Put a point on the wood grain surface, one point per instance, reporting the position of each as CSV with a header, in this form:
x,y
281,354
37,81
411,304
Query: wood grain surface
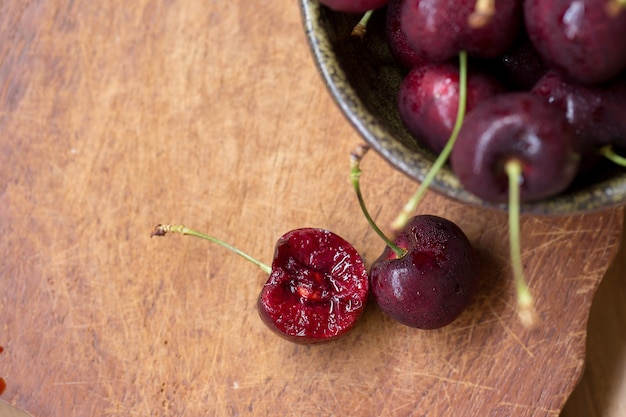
x,y
115,116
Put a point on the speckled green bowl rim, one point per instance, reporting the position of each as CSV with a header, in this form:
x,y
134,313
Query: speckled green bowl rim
x,y
608,194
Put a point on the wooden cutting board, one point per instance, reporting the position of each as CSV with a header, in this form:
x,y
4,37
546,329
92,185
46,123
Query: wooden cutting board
x,y
115,116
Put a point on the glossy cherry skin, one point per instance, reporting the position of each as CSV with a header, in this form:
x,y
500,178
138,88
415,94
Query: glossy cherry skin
x,y
596,112
428,100
434,282
353,6
515,126
318,287
440,29
402,52
578,37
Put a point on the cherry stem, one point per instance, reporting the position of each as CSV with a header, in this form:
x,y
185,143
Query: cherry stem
x,y
411,205
609,153
355,175
525,303
614,7
361,27
483,12
163,229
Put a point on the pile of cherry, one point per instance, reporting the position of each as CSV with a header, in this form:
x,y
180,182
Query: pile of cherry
x,y
546,86
541,97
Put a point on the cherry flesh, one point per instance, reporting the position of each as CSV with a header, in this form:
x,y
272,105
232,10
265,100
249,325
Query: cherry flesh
x,y
578,37
317,289
440,29
428,100
434,282
515,126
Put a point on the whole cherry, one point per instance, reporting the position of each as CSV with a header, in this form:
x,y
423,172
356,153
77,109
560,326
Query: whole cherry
x,y
579,38
517,127
440,29
434,281
428,275
428,99
512,148
597,113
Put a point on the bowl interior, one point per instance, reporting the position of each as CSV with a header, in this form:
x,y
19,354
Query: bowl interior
x,y
363,79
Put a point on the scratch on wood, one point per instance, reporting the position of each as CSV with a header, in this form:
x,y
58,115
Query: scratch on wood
x,y
550,411
452,380
510,332
448,398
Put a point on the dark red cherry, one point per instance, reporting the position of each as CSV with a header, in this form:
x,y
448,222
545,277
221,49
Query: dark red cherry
x,y
402,52
317,289
353,6
440,29
428,100
597,113
578,37
517,126
434,282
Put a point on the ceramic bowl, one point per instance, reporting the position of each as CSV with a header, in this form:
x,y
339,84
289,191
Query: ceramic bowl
x,y
363,79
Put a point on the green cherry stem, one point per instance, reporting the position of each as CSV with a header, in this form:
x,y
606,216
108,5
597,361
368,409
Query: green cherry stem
x,y
525,302
609,153
411,205
361,27
355,175
163,229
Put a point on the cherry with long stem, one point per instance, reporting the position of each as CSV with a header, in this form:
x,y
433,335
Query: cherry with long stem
x,y
428,275
410,207
317,286
525,301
